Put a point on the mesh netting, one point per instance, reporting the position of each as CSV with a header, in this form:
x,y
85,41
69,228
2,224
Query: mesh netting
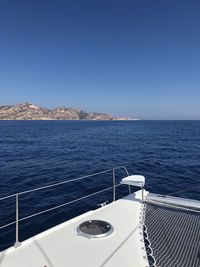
x,y
174,234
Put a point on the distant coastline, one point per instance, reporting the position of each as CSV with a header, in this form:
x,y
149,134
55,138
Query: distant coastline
x,y
29,111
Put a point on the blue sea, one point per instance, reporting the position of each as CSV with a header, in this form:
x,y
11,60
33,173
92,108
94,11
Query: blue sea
x,y
38,153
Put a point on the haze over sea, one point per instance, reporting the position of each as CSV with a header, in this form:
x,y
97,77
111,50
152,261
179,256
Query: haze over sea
x,y
37,153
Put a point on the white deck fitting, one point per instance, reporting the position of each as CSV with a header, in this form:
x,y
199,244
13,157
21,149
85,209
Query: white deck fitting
x,y
61,246
135,180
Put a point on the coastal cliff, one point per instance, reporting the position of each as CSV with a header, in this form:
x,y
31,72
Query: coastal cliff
x,y
28,111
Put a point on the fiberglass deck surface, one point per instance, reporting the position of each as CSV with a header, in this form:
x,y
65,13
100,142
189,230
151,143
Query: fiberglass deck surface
x,y
61,246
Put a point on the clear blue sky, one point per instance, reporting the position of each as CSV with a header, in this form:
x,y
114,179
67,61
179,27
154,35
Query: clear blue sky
x,y
136,58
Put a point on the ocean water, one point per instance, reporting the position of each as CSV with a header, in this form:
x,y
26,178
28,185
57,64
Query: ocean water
x,y
38,153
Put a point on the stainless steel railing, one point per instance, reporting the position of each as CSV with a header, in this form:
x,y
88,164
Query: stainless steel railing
x,y
17,195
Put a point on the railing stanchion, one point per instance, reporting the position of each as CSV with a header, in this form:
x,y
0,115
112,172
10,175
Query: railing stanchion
x,y
142,194
113,184
17,243
129,189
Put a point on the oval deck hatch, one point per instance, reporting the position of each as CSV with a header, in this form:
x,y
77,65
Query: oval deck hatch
x,y
94,229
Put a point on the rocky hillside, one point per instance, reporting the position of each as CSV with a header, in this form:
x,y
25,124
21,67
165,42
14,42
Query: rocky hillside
x,y
29,111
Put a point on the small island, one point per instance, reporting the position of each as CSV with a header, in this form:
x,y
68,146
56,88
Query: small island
x,y
28,111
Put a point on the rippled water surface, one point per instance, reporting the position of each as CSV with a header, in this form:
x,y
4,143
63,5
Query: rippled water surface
x,y
37,153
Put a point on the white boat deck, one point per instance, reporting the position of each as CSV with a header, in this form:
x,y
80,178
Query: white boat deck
x,y
61,246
